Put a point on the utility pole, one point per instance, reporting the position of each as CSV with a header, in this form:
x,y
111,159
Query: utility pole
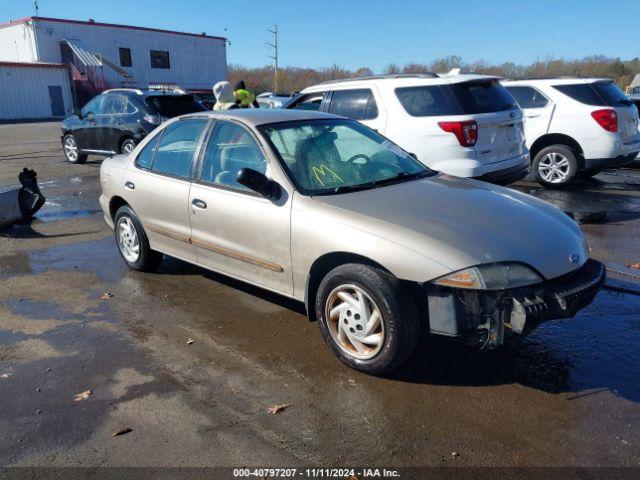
x,y
274,46
35,4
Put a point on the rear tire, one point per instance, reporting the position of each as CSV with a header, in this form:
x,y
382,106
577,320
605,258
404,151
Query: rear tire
x,y
369,323
71,150
133,243
556,166
127,146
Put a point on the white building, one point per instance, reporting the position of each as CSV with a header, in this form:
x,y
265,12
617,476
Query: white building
x,y
97,56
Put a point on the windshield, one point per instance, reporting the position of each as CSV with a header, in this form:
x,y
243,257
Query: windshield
x,y
337,156
173,105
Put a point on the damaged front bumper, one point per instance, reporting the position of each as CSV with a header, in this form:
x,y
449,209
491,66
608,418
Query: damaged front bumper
x,y
487,319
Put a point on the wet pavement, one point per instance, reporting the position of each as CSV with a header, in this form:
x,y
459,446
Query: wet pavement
x,y
568,395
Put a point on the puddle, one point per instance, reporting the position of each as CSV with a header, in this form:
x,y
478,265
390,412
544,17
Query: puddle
x,y
65,214
588,206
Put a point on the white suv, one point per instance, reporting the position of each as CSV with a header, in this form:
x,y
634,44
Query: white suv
x,y
576,127
462,124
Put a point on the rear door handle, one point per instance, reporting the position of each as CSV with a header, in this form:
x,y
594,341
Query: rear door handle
x,y
199,203
129,185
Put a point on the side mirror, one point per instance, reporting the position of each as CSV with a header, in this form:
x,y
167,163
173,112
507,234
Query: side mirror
x,y
259,183
77,112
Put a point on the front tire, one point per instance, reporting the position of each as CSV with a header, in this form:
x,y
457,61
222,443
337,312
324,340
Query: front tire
x,y
71,150
366,319
556,166
133,243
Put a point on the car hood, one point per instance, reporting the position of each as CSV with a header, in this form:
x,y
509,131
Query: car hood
x,y
460,222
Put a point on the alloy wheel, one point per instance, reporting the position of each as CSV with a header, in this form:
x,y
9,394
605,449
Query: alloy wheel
x,y
128,241
128,147
355,322
71,149
554,167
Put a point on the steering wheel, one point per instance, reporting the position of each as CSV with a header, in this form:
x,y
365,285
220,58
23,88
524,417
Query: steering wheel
x,y
357,156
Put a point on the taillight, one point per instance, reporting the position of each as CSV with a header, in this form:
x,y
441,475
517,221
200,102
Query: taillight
x,y
607,119
465,132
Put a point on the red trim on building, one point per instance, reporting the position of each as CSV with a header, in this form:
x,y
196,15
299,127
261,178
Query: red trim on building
x,y
112,25
32,65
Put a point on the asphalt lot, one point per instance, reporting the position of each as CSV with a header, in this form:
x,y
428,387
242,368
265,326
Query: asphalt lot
x,y
569,395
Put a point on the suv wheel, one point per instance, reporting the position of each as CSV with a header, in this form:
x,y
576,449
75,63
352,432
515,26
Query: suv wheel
x,y
71,151
366,319
127,146
555,166
133,243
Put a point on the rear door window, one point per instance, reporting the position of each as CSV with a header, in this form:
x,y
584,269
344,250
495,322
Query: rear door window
x,y
528,97
483,97
173,105
177,146
355,104
583,93
429,101
114,104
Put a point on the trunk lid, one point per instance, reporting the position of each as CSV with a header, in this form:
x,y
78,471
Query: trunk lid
x,y
626,111
500,136
499,119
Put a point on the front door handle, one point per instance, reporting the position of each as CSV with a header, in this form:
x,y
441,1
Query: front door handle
x,y
533,116
199,203
129,185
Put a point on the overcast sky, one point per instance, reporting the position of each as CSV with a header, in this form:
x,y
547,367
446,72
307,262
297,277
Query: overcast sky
x,y
373,33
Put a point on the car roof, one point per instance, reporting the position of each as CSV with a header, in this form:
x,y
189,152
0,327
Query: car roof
x,y
148,92
557,80
263,116
401,80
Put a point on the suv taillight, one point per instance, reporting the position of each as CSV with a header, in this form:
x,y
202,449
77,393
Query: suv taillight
x,y
607,119
465,132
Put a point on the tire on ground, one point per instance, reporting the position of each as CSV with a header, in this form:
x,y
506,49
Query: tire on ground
x,y
148,259
399,314
568,153
82,157
127,143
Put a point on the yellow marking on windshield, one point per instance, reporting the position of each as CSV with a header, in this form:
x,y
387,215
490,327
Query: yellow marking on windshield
x,y
322,170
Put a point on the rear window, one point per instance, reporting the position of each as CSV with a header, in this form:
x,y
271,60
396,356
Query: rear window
x,y
355,104
429,101
457,99
484,97
612,94
583,93
173,105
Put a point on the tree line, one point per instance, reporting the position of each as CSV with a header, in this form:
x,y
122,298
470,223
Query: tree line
x,y
293,79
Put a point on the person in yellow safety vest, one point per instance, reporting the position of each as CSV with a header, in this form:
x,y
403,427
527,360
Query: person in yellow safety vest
x,y
245,97
224,96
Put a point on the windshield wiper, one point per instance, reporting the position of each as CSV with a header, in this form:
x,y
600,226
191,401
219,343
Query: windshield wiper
x,y
624,101
508,106
402,176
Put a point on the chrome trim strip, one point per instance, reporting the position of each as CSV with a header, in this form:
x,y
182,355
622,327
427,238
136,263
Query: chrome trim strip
x,y
274,267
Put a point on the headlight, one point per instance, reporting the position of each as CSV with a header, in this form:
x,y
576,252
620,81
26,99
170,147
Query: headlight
x,y
496,276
